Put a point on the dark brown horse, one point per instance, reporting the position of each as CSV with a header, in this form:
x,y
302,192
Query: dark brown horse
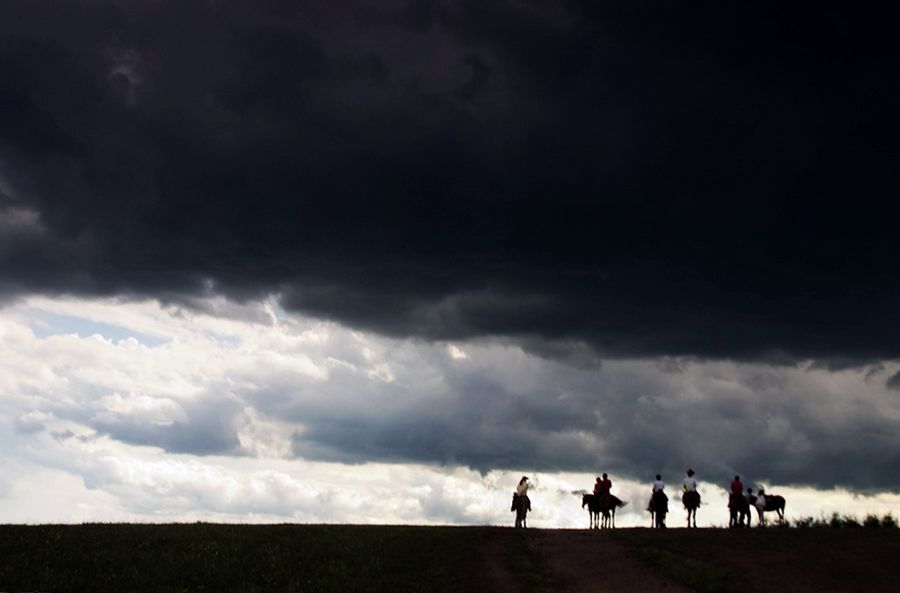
x,y
658,507
738,510
605,505
691,502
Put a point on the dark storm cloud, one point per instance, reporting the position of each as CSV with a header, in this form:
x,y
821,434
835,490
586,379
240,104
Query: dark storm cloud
x,y
712,181
632,420
893,381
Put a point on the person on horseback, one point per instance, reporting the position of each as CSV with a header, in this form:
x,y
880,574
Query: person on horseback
x,y
658,485
522,490
602,487
737,489
690,484
659,502
691,497
521,504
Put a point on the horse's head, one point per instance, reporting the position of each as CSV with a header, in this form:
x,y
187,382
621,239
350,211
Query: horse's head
x,y
585,499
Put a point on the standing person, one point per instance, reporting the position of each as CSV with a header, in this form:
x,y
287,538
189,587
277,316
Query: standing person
x,y
760,505
746,500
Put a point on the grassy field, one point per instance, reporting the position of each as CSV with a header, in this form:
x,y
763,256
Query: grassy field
x,y
117,558
747,560
98,558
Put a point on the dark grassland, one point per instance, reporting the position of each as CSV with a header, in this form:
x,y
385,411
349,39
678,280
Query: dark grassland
x,y
97,558
773,559
120,558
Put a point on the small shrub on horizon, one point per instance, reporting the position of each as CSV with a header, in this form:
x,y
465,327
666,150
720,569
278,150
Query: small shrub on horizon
x,y
871,521
850,521
837,521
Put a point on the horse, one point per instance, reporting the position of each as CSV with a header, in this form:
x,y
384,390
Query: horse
x,y
738,510
658,507
772,502
691,502
521,505
593,506
605,505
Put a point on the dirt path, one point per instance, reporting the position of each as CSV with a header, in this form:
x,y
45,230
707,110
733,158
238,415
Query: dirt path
x,y
592,561
561,561
492,569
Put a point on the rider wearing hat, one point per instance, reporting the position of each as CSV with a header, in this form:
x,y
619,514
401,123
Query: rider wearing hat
x,y
690,484
522,490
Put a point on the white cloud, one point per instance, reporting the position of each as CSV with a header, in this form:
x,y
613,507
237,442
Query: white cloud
x,y
456,353
205,424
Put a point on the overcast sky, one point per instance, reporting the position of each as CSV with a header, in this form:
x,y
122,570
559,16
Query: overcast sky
x,y
437,244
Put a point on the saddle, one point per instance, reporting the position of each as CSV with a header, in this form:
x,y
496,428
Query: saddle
x,y
691,498
738,502
659,502
515,502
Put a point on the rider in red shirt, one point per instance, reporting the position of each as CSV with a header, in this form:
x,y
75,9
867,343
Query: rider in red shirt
x,y
602,487
605,485
737,489
736,486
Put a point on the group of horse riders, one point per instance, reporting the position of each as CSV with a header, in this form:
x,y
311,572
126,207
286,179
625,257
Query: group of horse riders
x,y
739,501
659,501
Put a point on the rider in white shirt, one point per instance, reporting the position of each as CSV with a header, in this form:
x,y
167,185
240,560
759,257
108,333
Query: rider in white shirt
x,y
690,483
658,484
522,488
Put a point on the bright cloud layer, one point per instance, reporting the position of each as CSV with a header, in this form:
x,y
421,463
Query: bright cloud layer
x,y
136,411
